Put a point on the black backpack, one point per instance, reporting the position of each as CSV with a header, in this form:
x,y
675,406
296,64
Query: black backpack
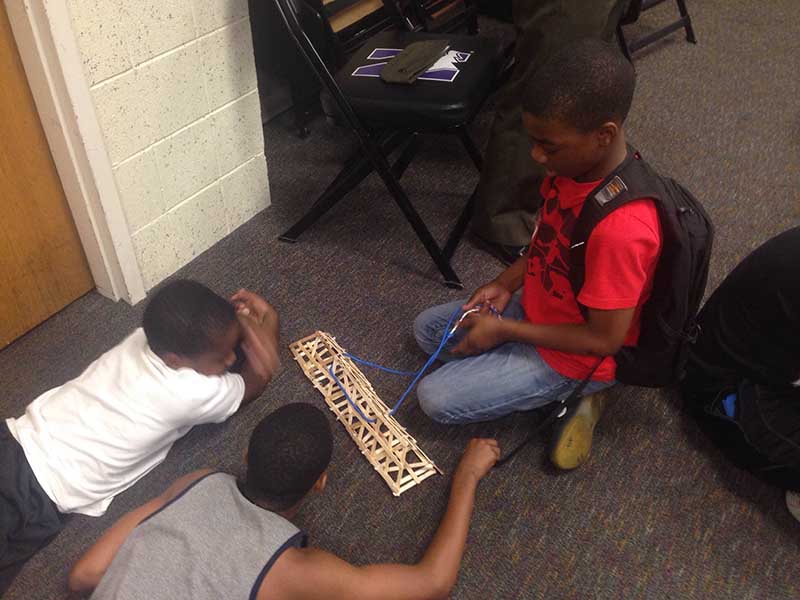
x,y
668,318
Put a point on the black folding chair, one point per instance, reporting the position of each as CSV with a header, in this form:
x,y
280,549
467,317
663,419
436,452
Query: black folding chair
x,y
635,8
387,117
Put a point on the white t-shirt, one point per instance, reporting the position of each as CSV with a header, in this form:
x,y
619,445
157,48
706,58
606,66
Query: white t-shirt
x,y
95,436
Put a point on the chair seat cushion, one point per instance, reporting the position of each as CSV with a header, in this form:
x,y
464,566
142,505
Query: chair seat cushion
x,y
448,95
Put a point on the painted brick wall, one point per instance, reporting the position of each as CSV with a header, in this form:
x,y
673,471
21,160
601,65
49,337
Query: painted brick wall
x,y
174,88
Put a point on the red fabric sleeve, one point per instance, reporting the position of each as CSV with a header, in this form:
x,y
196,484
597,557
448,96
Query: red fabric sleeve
x,y
621,257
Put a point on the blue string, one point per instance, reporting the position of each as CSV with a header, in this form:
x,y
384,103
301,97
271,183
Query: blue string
x,y
354,358
349,399
445,338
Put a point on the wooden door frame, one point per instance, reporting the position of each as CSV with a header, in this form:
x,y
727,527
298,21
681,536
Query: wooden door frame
x,y
64,102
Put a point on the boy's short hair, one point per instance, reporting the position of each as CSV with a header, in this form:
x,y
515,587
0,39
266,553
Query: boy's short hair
x,y
584,85
289,449
185,317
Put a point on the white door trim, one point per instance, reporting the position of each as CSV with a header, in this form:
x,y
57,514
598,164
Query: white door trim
x,y
52,61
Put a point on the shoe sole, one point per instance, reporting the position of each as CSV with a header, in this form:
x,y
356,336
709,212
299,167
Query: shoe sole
x,y
574,438
574,444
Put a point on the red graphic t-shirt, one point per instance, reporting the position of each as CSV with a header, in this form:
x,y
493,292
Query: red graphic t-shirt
x,y
621,257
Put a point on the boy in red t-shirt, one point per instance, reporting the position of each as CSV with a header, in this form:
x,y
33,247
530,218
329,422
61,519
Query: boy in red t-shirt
x,y
540,349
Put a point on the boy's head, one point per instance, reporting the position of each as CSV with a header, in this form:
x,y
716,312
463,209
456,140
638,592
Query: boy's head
x,y
288,455
575,104
188,325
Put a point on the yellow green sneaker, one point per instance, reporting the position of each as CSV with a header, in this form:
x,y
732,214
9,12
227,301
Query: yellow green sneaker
x,y
573,441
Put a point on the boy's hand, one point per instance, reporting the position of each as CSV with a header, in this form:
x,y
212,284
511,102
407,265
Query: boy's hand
x,y
250,303
479,457
260,350
493,293
485,332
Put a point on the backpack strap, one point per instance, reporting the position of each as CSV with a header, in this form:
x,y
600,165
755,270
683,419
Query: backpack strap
x,y
631,180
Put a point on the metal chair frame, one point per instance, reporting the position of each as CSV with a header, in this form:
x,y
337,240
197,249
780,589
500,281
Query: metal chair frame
x,y
373,155
632,15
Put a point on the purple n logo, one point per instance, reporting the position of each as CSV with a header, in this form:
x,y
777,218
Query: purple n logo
x,y
444,69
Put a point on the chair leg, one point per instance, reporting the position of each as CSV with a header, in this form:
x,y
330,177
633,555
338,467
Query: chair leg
x,y
302,118
372,157
687,22
355,170
461,226
623,43
466,213
406,156
451,280
353,174
471,148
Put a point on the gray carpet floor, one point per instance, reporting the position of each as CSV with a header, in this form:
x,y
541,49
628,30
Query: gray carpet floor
x,y
656,513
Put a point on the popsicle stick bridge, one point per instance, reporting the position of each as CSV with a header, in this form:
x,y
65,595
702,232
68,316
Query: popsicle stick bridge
x,y
389,448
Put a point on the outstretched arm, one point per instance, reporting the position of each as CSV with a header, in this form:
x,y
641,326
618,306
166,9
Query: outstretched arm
x,y
304,573
91,567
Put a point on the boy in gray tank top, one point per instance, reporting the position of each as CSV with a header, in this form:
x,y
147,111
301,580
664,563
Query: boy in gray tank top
x,y
209,536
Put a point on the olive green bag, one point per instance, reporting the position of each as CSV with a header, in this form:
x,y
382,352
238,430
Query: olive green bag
x,y
413,61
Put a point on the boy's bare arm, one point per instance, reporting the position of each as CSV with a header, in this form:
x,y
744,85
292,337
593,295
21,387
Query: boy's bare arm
x,y
514,276
260,346
602,335
90,568
313,573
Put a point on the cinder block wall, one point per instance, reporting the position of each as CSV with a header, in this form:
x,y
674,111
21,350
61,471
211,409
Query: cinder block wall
x,y
174,88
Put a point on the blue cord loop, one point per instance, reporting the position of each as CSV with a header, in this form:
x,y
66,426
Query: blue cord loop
x,y
449,331
361,361
346,395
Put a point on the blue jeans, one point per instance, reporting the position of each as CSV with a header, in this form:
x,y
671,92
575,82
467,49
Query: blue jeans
x,y
511,377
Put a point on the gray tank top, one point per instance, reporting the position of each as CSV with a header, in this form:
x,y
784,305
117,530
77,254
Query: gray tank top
x,y
209,542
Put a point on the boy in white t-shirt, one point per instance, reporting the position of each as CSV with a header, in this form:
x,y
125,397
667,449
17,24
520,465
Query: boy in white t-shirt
x,y
79,445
